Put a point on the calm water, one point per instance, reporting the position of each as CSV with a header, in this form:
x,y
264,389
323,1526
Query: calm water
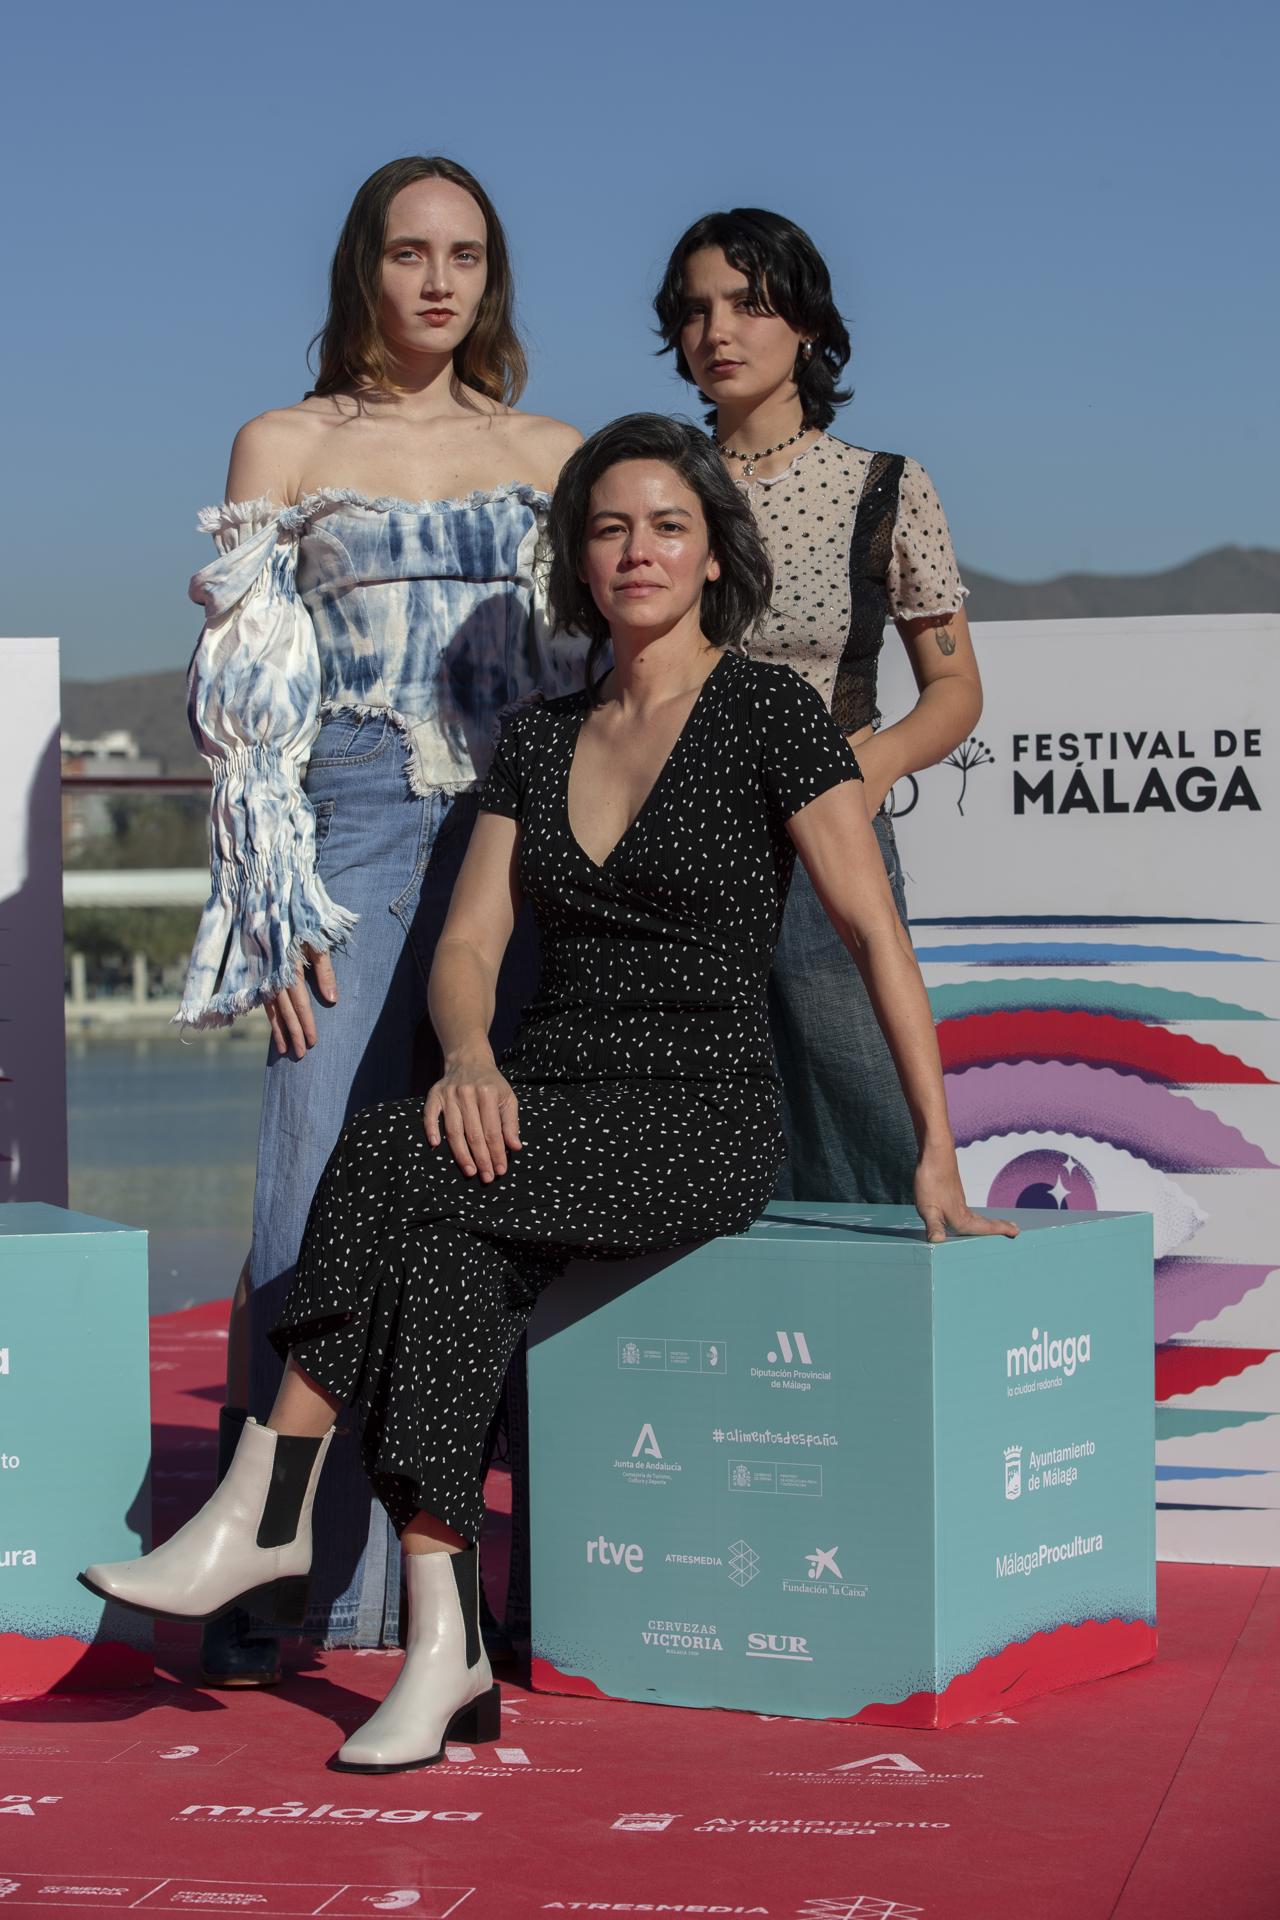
x,y
163,1133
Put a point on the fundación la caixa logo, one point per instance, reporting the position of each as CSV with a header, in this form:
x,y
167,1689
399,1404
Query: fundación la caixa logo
x,y
823,1577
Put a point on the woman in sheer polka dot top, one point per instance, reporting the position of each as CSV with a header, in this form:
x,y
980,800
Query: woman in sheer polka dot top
x,y
856,538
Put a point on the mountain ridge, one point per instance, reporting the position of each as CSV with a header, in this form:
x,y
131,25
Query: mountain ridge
x,y
1224,580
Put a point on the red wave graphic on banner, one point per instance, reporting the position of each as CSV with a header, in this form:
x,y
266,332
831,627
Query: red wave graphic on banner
x,y
1181,1369
1091,1039
1059,1658
64,1664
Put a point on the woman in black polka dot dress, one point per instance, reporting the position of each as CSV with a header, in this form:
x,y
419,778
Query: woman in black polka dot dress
x,y
653,823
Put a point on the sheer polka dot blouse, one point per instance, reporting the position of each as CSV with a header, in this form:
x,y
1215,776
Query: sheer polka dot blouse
x,y
856,539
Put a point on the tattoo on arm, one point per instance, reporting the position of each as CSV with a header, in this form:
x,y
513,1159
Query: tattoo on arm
x,y
945,639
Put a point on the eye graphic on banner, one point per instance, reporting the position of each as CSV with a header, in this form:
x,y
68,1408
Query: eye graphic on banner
x,y
1060,1090
1125,1133
1095,1176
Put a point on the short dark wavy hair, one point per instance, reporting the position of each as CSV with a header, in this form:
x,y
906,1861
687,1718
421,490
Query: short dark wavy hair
x,y
787,276
731,605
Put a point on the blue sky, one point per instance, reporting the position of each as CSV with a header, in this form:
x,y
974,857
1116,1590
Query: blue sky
x,y
1048,228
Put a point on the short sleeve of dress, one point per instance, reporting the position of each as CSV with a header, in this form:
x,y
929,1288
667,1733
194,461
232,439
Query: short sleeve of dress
x,y
923,577
503,789
803,752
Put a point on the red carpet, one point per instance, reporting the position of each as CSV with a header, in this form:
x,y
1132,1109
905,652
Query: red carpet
x,y
1150,1794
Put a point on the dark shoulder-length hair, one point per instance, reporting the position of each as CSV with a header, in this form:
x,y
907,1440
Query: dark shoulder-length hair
x,y
731,605
786,275
353,352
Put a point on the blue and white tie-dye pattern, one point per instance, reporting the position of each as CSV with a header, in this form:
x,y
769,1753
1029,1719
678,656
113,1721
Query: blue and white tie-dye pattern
x,y
433,613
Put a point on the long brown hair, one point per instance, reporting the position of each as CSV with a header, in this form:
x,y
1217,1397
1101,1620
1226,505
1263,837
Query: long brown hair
x,y
353,352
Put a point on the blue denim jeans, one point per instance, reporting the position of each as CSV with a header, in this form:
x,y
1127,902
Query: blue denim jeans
x,y
848,1129
392,857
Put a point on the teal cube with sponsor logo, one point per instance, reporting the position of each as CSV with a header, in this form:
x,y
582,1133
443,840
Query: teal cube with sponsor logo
x,y
75,1446
826,1469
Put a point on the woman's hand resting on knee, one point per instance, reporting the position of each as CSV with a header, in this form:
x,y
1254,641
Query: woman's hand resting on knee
x,y
479,1115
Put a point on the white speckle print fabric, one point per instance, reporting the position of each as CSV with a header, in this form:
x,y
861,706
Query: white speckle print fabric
x,y
648,1098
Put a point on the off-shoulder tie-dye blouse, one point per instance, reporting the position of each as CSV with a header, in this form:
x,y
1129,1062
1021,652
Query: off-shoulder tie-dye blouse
x,y
430,613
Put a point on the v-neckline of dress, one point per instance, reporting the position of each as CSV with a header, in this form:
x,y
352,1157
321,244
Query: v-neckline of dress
x,y
601,866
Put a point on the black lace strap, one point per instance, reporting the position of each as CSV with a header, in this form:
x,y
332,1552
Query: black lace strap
x,y
853,700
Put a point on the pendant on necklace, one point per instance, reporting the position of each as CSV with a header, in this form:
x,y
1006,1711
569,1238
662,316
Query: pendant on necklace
x,y
749,469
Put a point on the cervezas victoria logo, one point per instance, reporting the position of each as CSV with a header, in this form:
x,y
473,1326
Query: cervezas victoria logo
x,y
683,1636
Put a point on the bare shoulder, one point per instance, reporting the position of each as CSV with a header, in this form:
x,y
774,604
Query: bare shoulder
x,y
545,443
270,451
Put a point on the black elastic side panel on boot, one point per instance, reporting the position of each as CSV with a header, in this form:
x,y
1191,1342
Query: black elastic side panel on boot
x,y
466,1573
290,1471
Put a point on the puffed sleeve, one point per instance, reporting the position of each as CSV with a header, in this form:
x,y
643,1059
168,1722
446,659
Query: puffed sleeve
x,y
253,701
803,752
503,789
923,577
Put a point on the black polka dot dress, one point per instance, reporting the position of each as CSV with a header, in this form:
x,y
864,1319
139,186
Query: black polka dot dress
x,y
648,1097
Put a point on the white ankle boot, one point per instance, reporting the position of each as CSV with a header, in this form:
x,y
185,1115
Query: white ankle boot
x,y
249,1545
444,1690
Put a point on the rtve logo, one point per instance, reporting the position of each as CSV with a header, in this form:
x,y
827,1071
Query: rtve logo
x,y
785,1353
608,1553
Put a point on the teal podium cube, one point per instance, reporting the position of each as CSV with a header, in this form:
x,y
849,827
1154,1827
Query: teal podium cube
x,y
826,1469
75,1446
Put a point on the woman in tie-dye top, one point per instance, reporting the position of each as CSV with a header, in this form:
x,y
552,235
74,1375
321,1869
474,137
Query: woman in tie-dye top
x,y
373,606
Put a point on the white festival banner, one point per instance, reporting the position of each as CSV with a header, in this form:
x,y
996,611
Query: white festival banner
x,y
1094,891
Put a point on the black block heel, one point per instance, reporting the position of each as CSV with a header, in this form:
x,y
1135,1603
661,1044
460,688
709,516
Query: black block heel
x,y
282,1601
472,1725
